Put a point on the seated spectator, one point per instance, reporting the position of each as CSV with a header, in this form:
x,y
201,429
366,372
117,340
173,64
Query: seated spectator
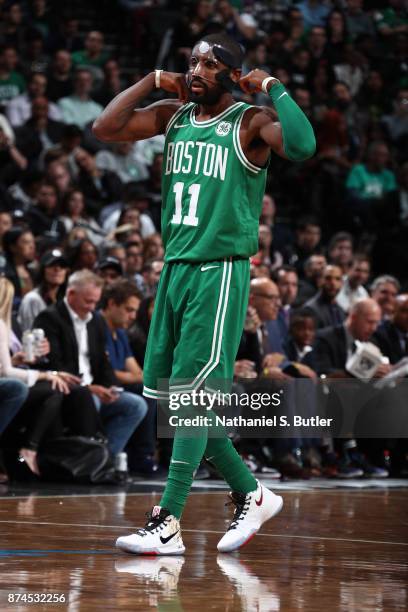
x,y
79,108
19,108
148,281
43,216
403,195
12,83
358,21
34,57
373,99
135,199
120,303
317,44
99,186
286,279
368,185
57,174
264,255
323,306
240,26
134,257
340,251
44,399
38,133
384,290
82,255
397,122
188,30
77,340
307,242
392,20
391,336
109,270
124,161
12,26
66,35
93,57
73,212
19,249
60,84
337,35
24,191
111,85
332,348
315,12
13,393
116,250
313,278
302,332
153,248
49,288
353,288
350,69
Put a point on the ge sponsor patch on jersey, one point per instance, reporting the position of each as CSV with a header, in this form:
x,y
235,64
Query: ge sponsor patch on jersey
x,y
223,128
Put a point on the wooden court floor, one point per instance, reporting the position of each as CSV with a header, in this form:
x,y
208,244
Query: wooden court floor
x,y
328,550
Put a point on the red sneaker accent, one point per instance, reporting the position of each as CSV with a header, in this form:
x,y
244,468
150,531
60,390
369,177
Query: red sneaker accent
x,y
258,503
250,538
149,553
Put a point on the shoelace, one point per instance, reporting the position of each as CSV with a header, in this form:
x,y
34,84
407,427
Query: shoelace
x,y
153,524
241,503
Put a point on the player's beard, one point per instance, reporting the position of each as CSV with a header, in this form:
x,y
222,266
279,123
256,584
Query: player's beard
x,y
209,97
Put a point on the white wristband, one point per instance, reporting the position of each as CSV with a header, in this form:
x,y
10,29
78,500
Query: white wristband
x,y
157,75
265,83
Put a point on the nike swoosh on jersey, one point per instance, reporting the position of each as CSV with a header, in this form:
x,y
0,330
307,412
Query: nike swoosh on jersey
x,y
165,540
204,268
180,126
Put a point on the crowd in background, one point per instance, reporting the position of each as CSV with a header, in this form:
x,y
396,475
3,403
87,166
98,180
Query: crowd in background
x,y
332,265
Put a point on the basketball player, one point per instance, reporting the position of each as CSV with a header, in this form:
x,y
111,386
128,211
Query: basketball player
x,y
214,170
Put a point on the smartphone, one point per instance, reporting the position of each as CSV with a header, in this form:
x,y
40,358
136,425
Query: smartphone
x,y
117,389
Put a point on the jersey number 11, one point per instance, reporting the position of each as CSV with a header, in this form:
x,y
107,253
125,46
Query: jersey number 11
x,y
191,218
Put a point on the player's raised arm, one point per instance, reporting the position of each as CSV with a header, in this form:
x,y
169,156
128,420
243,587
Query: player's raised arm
x,y
292,137
121,121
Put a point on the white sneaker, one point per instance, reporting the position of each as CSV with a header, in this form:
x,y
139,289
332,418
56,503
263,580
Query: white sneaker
x,y
160,536
251,511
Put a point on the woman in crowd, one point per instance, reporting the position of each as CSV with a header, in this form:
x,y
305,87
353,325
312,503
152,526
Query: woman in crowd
x,y
83,254
19,250
74,214
51,280
39,415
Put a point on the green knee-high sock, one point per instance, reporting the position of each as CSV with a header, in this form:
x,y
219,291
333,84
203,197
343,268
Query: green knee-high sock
x,y
186,456
223,455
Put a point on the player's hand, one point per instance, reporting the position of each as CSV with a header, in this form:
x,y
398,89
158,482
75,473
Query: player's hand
x,y
175,82
252,82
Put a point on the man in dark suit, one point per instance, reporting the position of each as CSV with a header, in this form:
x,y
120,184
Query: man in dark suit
x,y
287,280
77,341
323,306
332,348
392,336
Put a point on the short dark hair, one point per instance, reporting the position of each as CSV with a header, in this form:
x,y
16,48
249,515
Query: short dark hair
x,y
339,237
119,291
299,316
305,221
285,268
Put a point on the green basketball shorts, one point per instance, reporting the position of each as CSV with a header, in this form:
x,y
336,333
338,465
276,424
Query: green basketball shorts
x,y
196,327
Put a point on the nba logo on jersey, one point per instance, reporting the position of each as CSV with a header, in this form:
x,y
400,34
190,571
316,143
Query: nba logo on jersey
x,y
223,128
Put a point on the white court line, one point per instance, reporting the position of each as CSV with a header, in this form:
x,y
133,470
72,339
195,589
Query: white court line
x,y
264,535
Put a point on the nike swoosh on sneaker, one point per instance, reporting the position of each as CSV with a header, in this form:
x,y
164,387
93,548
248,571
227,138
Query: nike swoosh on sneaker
x,y
165,540
204,268
259,502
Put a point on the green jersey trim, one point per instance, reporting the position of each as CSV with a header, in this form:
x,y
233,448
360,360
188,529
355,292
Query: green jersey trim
x,y
238,148
213,120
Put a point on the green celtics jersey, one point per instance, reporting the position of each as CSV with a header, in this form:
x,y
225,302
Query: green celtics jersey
x,y
212,194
